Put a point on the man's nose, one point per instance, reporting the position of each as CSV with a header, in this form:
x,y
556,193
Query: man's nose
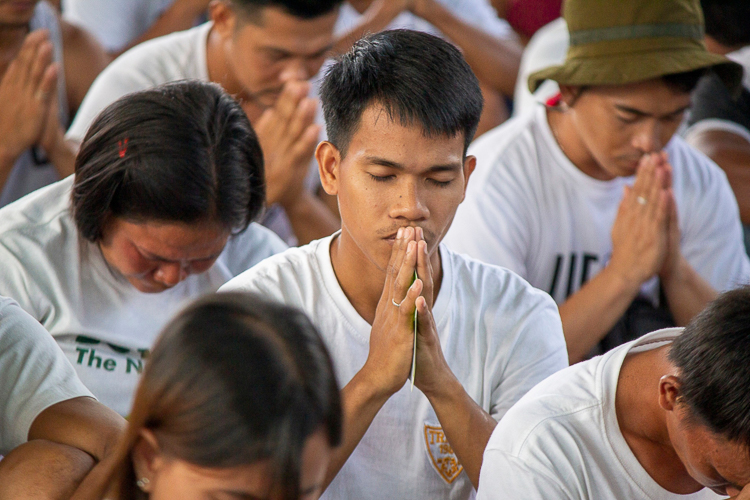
x,y
295,70
648,138
410,204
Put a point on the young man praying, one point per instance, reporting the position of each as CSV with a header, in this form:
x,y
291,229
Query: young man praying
x,y
401,108
593,199
662,417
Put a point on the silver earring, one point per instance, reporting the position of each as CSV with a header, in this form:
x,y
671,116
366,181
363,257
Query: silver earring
x,y
142,483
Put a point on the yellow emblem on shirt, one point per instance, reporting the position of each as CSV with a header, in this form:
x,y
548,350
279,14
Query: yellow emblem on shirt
x,y
441,453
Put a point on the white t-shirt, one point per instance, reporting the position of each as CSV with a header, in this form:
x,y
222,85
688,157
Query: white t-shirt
x,y
528,208
478,13
562,441
115,23
499,336
103,324
35,374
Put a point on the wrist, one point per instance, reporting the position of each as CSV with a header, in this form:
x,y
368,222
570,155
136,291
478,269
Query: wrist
x,y
624,282
676,272
373,385
432,12
443,388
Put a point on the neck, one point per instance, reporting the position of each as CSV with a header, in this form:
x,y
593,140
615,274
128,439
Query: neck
x,y
220,72
643,422
361,280
564,131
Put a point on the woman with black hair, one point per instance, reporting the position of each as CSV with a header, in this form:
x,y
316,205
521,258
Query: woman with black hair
x,y
159,211
238,400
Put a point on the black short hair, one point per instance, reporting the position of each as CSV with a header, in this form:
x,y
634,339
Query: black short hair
x,y
304,9
713,358
727,21
181,152
413,75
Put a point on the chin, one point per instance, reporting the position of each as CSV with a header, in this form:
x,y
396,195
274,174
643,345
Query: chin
x,y
148,287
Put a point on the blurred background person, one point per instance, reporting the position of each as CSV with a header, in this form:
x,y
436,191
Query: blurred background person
x,y
46,68
238,400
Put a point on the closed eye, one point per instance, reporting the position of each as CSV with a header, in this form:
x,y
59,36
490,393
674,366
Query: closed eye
x,y
438,183
381,178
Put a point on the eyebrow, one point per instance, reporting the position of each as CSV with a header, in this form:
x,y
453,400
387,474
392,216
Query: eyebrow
x,y
446,167
637,112
285,53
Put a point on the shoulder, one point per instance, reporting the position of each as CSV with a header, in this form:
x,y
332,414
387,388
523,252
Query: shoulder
x,y
494,285
18,330
39,211
554,411
509,151
282,272
694,172
253,245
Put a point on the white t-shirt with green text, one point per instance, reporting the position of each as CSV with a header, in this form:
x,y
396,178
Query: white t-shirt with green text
x,y
103,324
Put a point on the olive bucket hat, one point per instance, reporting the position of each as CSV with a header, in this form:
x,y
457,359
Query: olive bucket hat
x,y
616,42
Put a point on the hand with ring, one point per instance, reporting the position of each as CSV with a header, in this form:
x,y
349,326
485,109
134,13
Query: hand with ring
x,y
640,233
392,334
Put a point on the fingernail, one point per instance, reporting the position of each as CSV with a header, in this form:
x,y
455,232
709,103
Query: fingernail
x,y
400,232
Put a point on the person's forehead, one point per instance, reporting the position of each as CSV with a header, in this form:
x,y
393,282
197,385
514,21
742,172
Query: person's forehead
x,y
381,135
277,26
651,93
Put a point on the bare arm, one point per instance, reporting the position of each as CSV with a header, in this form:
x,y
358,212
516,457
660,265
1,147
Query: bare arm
x,y
376,18
181,15
640,244
495,61
43,470
84,59
311,218
593,310
70,445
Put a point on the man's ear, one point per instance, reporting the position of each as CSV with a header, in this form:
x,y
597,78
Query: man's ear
x,y
147,458
223,17
569,94
470,163
669,392
329,162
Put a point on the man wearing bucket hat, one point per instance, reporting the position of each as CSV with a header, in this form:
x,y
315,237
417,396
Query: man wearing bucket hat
x,y
592,198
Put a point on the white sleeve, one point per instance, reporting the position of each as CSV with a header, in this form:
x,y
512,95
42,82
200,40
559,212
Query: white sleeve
x,y
712,239
114,23
480,14
537,352
493,224
35,374
505,477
